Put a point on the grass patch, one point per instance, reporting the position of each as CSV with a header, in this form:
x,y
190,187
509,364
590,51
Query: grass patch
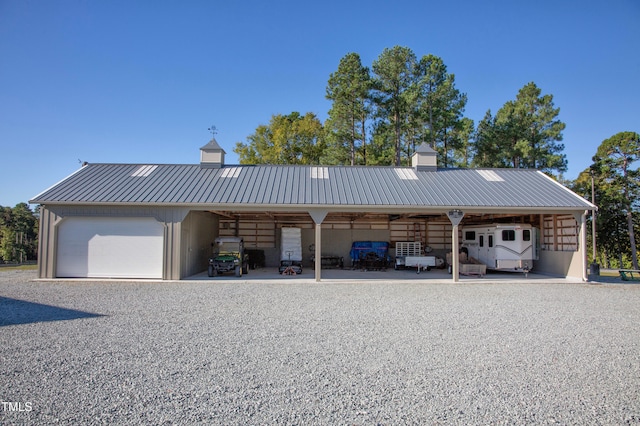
x,y
19,268
609,273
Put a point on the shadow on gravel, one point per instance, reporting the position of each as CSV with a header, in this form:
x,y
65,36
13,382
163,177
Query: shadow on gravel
x,y
15,312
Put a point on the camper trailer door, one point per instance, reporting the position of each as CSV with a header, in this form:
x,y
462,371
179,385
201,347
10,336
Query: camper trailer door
x,y
486,251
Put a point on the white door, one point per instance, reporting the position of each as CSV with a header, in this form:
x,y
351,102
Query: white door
x,y
486,250
110,247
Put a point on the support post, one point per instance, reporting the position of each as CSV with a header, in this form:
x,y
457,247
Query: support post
x,y
318,216
455,216
455,254
583,244
318,254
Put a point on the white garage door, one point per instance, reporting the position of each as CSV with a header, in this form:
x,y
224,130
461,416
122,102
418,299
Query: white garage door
x,y
110,247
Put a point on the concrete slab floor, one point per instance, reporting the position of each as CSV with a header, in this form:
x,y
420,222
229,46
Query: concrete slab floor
x,y
389,275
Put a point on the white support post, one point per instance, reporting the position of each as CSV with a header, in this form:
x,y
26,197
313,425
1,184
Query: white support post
x,y
455,254
583,245
318,216
318,254
455,216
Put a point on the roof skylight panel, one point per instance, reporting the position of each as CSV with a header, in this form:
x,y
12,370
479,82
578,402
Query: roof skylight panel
x,y
230,172
143,171
319,172
490,175
406,174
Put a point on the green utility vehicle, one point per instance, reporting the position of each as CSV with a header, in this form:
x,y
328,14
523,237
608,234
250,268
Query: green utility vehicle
x,y
229,256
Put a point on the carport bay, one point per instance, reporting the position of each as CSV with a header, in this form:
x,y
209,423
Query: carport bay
x,y
339,230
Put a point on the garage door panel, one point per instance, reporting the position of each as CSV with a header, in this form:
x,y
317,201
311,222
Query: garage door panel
x,y
110,247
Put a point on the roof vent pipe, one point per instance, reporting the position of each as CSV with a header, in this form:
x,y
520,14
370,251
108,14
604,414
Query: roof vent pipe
x,y
425,158
211,155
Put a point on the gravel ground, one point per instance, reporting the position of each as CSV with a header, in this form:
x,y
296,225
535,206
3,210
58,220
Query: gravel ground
x,y
290,352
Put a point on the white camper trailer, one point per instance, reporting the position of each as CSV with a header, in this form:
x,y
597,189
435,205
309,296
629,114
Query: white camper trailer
x,y
502,247
291,251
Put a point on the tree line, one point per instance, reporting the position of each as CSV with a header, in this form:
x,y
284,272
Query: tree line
x,y
18,234
380,114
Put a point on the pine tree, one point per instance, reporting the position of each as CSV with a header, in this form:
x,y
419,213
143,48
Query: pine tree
x,y
525,133
616,166
349,89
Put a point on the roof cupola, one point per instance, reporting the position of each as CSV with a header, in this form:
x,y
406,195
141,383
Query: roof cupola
x,y
211,155
425,158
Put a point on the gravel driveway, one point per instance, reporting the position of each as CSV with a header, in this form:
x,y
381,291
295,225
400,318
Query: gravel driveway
x,y
287,352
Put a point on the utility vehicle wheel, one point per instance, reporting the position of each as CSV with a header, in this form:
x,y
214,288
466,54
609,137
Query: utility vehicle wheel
x,y
238,271
245,269
210,271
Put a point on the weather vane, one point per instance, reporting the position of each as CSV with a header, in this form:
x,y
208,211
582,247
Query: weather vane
x,y
213,130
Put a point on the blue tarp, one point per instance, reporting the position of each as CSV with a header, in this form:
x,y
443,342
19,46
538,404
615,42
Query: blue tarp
x,y
360,248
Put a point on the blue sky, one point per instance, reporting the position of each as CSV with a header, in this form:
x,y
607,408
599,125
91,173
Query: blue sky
x,y
124,81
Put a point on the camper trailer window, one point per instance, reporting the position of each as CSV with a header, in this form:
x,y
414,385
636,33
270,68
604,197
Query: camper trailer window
x,y
470,235
481,240
508,235
491,240
526,235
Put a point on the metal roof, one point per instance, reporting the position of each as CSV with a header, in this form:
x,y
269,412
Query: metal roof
x,y
281,187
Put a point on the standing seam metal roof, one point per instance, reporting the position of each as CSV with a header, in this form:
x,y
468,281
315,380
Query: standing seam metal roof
x,y
294,185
